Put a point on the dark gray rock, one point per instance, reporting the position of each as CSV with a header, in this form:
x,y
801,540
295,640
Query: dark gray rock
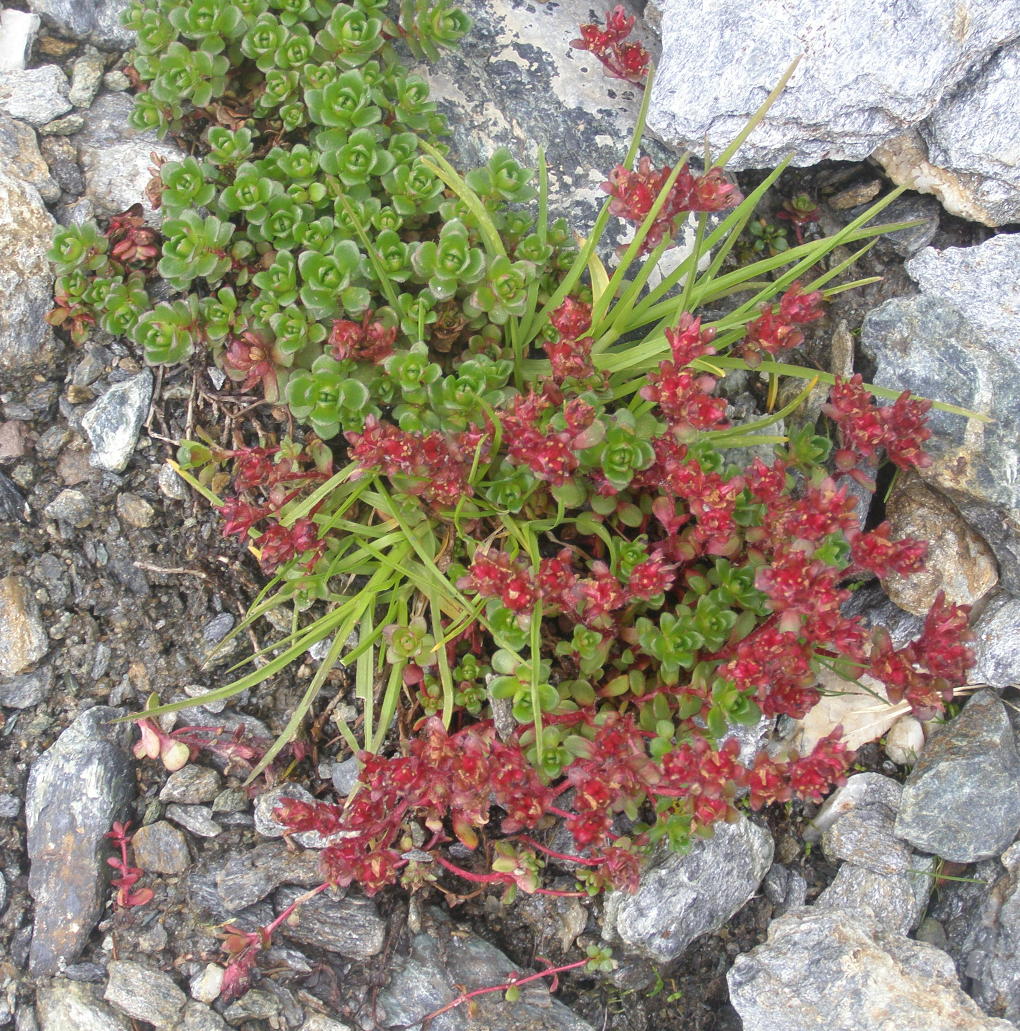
x,y
928,345
35,95
144,993
911,207
991,947
62,1005
191,785
26,282
160,848
862,79
823,971
785,888
962,798
10,806
27,690
250,876
350,926
76,789
441,964
21,156
113,422
997,644
684,896
23,640
97,21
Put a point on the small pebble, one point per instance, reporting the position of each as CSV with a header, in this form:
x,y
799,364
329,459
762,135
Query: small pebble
x,y
171,484
116,81
195,818
191,785
134,510
205,986
66,126
71,506
231,800
160,848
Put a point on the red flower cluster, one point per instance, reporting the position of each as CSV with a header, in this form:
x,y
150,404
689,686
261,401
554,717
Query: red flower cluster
x,y
925,670
808,777
367,341
551,454
875,552
279,544
635,192
776,665
621,59
864,428
494,574
430,465
776,329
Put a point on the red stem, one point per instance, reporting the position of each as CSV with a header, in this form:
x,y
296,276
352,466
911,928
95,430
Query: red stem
x,y
512,982
559,855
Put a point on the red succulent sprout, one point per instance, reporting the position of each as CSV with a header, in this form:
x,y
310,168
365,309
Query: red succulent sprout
x,y
132,243
367,341
876,553
621,58
249,360
571,318
129,875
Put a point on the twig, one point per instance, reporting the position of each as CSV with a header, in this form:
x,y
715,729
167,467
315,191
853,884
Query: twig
x,y
179,570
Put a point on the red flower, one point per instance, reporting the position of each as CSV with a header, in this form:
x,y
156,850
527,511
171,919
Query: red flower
x,y
621,60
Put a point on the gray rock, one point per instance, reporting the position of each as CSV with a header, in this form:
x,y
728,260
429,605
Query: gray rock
x,y
350,926
35,95
26,690
205,986
344,775
113,422
785,888
26,282
317,1022
171,485
997,644
160,848
830,971
864,836
116,81
519,84
862,79
144,993
968,135
116,158
195,818
17,34
198,1017
71,506
928,345
61,1005
962,798
191,785
684,896
20,154
97,21
86,75
860,790
441,964
66,126
253,1005
897,899
23,639
992,945
10,806
76,789
3,893
250,876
